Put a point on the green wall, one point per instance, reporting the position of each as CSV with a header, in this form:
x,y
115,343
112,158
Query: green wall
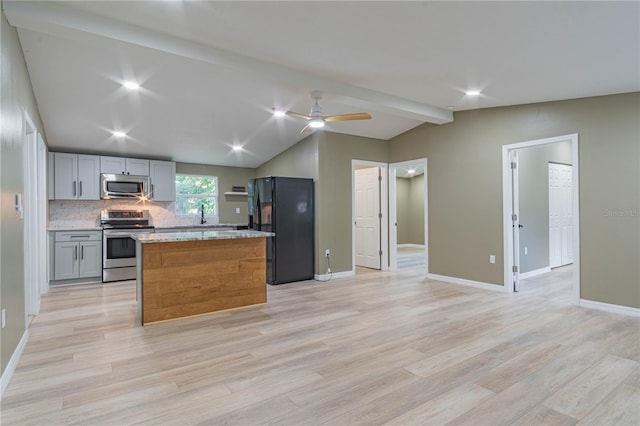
x,y
465,188
228,177
15,87
533,185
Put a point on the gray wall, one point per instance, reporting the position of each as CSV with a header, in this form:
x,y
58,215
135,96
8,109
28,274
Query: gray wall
x,y
228,177
465,188
326,157
15,87
336,151
533,184
416,210
402,211
410,209
301,160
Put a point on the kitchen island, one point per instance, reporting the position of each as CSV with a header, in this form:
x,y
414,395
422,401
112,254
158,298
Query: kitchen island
x,y
183,274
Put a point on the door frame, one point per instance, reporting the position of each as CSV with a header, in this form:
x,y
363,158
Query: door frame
x,y
393,214
31,254
384,227
507,193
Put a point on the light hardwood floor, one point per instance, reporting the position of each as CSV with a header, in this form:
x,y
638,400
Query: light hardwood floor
x,y
389,347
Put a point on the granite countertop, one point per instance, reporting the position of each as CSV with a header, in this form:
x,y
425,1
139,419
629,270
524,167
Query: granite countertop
x,y
196,236
205,225
75,228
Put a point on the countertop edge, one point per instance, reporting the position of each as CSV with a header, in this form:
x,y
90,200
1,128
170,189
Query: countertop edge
x,y
199,236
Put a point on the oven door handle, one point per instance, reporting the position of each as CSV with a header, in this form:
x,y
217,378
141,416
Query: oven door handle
x,y
117,234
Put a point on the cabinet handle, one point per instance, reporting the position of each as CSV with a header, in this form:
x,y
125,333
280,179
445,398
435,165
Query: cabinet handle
x,y
75,253
79,236
80,188
82,253
74,188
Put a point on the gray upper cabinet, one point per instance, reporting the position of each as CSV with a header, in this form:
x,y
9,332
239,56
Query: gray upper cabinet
x,y
76,176
163,180
124,166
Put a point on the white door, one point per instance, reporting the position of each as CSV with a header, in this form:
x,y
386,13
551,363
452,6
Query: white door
x,y
368,217
560,215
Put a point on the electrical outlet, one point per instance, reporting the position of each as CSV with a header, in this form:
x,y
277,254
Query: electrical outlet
x,y
492,259
327,253
526,250
328,270
238,210
4,317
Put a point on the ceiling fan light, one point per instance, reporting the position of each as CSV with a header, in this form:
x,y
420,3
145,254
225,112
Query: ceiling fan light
x,y
316,123
278,112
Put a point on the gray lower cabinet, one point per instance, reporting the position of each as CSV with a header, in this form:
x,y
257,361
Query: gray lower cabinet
x,y
77,254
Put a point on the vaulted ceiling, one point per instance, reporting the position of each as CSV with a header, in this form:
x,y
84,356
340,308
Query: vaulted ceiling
x,y
210,73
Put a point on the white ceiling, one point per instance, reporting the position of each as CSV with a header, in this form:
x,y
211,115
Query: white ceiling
x,y
212,71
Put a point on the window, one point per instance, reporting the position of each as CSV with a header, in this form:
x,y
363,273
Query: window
x,y
193,192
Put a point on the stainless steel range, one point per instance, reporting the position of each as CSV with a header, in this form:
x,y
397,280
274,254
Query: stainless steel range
x,y
118,248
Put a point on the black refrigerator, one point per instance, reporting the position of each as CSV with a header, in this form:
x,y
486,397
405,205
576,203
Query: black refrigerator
x,y
284,206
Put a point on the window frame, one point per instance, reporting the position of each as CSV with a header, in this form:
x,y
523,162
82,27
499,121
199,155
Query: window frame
x,y
215,196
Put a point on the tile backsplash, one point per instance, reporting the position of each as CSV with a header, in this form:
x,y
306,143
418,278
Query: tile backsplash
x,y
73,214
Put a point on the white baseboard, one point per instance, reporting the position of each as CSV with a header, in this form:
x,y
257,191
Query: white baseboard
x,y
409,245
525,275
607,307
470,283
343,274
13,363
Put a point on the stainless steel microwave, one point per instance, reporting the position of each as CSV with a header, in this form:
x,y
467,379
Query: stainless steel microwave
x,y
123,186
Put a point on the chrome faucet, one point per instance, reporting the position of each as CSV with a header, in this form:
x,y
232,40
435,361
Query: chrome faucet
x,y
202,219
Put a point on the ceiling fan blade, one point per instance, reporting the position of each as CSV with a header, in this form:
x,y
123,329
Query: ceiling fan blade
x,y
346,117
305,128
297,114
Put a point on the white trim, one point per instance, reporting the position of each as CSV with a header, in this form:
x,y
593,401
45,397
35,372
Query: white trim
x,y
469,283
607,307
410,245
506,208
534,273
334,275
13,363
384,225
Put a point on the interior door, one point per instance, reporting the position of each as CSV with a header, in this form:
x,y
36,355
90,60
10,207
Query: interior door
x,y
368,217
560,215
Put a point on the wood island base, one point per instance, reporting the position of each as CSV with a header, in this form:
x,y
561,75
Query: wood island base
x,y
179,279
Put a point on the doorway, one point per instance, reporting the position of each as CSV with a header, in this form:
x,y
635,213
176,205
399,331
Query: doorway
x,y
34,197
369,215
519,224
408,224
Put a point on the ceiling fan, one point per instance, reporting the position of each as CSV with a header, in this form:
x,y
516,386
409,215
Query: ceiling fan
x,y
315,118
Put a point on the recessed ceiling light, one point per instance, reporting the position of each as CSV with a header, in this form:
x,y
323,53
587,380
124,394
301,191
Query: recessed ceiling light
x,y
411,171
236,148
119,134
278,112
131,85
472,93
